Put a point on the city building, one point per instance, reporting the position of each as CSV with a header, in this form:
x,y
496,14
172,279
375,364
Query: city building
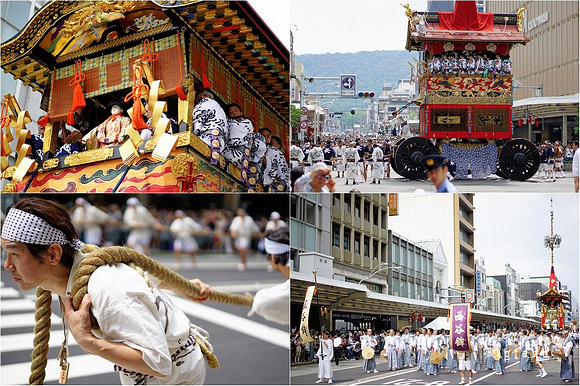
x,y
545,70
440,277
507,276
448,219
496,295
309,224
481,295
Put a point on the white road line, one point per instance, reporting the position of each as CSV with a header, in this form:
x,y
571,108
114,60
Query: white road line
x,y
248,327
493,373
80,366
25,320
17,305
9,292
20,342
241,288
390,375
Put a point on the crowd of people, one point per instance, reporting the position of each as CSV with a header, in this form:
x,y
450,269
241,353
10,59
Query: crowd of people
x,y
228,132
404,349
182,231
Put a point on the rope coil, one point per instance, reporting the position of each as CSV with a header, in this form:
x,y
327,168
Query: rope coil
x,y
95,258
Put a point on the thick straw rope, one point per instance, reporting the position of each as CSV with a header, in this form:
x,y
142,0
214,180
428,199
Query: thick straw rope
x,y
110,255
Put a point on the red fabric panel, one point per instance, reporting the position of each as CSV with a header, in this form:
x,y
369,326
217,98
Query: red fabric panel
x,y
113,74
466,18
61,98
166,68
91,82
220,84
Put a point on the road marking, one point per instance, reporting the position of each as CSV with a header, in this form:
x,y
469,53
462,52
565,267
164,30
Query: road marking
x,y
80,366
493,373
25,320
24,342
378,378
9,292
16,305
233,322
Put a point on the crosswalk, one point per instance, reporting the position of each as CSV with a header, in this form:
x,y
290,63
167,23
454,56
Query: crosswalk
x,y
17,322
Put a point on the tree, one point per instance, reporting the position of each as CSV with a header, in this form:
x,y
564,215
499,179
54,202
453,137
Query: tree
x,y
294,116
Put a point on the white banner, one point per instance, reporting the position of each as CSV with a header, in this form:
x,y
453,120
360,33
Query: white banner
x,y
304,330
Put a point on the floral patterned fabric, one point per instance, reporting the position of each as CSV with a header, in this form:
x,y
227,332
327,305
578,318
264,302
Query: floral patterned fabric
x,y
481,161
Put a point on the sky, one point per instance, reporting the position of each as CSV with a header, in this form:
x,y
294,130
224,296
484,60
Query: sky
x,y
275,14
331,26
511,228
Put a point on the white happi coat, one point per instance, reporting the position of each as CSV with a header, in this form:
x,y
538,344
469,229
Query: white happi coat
x,y
351,157
184,230
140,221
142,317
296,156
207,116
90,219
325,354
340,158
245,227
272,303
276,168
241,136
315,155
378,167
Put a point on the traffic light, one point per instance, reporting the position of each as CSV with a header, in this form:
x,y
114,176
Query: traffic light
x,y
352,112
366,94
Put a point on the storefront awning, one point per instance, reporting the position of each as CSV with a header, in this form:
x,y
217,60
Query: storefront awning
x,y
546,107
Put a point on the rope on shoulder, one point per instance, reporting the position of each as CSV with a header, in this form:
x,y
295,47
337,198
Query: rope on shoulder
x,y
95,258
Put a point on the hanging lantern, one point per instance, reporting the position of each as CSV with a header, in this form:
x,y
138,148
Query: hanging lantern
x,y
530,119
520,122
537,122
420,318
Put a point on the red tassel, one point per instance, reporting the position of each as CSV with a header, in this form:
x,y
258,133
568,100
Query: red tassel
x,y
78,98
70,118
43,121
137,117
205,81
180,93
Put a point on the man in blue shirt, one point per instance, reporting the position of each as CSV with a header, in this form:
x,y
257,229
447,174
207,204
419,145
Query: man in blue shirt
x,y
436,166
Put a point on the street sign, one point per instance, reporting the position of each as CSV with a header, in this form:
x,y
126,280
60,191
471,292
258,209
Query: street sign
x,y
303,124
331,115
303,110
347,85
469,295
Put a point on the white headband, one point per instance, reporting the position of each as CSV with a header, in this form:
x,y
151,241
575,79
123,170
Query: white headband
x,y
25,227
275,248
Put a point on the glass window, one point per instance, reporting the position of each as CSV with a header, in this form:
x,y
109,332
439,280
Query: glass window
x,y
336,200
346,239
357,242
336,235
411,259
309,238
383,219
418,262
404,288
375,251
357,206
396,288
366,243
403,260
367,211
423,292
346,206
430,267
464,257
383,252
310,215
464,235
396,254
375,215
430,294
411,290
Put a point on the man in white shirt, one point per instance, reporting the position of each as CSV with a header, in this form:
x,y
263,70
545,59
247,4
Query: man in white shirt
x,y
242,229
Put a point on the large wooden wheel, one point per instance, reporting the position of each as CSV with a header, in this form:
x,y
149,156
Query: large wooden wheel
x,y
518,159
408,157
395,147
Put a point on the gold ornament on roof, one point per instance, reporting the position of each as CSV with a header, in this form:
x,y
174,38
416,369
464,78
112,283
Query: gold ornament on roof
x,y
521,18
91,17
408,11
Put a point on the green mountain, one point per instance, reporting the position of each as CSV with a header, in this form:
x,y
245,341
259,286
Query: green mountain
x,y
372,69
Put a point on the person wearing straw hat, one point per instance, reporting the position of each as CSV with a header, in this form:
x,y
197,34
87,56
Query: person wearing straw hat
x,y
368,340
432,345
148,338
500,345
526,349
325,354
567,372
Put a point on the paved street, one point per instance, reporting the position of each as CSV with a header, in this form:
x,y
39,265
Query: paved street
x,y
350,372
250,349
493,183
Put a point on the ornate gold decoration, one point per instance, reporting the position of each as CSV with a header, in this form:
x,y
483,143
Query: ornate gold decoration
x,y
448,46
180,165
521,18
408,11
8,173
89,156
9,188
184,138
491,47
235,171
100,12
200,146
50,163
469,47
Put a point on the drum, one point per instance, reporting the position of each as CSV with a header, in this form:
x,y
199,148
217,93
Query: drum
x,y
496,353
558,354
384,356
436,357
368,352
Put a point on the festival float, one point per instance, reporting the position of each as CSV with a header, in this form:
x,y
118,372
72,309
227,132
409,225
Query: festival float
x,y
159,53
465,94
553,312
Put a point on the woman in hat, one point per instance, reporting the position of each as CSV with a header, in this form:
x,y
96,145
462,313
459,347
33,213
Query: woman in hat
x,y
325,355
141,331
